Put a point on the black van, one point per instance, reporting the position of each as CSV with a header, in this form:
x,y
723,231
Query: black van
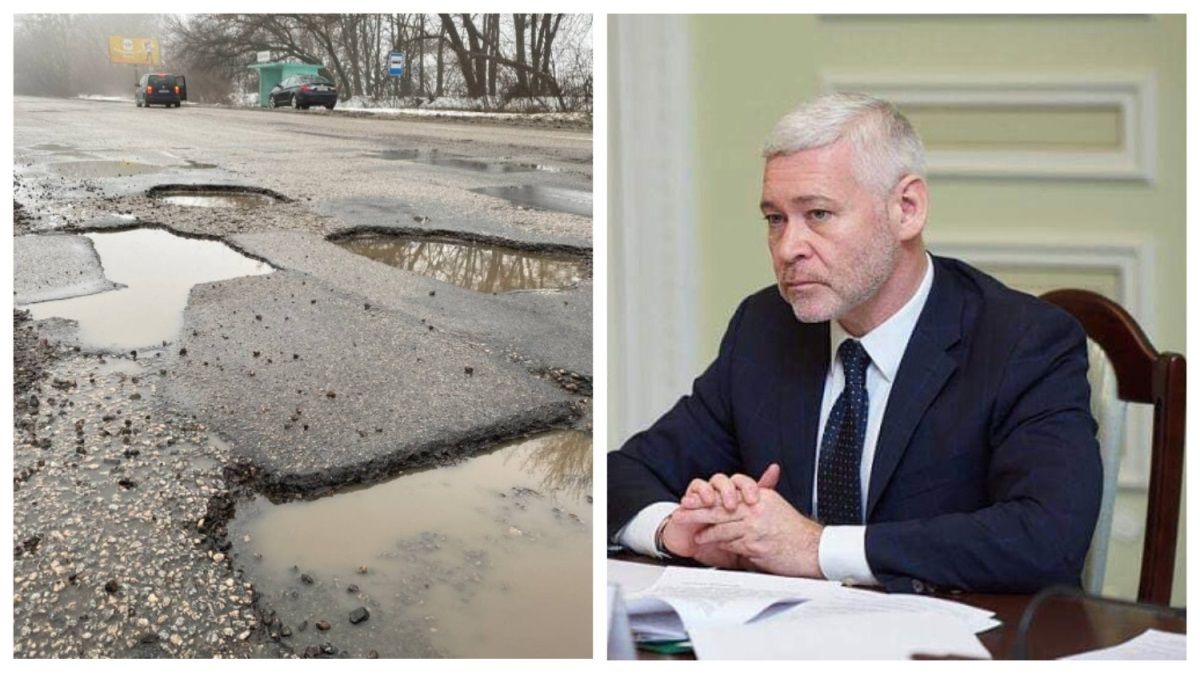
x,y
160,89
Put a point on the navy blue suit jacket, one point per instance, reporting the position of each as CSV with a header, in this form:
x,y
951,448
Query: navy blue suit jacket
x,y
987,474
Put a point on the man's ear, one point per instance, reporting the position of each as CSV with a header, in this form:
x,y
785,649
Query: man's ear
x,y
909,207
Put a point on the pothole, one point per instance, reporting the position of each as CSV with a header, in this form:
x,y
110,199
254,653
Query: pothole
x,y
482,267
103,168
436,158
217,200
158,269
216,196
561,199
441,559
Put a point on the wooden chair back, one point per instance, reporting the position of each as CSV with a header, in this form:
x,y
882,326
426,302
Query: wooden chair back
x,y
1144,375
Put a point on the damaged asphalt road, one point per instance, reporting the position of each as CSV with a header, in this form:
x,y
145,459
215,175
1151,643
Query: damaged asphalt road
x,y
55,268
546,330
317,387
331,370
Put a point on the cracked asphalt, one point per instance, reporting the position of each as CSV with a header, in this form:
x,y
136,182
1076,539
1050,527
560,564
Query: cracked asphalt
x,y
331,370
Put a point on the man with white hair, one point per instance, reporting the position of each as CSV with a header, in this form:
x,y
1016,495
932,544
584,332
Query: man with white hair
x,y
881,416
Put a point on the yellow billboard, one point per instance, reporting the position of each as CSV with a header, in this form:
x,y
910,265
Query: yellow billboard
x,y
139,50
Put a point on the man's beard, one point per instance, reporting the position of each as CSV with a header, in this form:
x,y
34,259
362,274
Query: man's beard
x,y
868,272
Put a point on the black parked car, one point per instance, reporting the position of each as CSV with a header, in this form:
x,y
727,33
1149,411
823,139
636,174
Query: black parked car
x,y
301,91
160,89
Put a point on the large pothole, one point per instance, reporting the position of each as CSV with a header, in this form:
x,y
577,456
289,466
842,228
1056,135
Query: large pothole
x,y
483,267
216,196
157,269
441,560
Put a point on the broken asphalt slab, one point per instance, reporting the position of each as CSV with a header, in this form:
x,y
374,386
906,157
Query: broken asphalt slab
x,y
545,329
389,215
55,267
317,387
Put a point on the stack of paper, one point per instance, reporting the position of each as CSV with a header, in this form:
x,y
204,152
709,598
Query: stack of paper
x,y
733,614
664,603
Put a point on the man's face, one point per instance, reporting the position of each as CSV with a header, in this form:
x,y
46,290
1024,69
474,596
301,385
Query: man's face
x,y
831,243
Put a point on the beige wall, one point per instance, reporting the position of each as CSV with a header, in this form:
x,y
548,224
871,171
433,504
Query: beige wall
x,y
749,70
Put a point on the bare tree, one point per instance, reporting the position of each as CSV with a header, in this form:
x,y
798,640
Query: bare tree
x,y
491,57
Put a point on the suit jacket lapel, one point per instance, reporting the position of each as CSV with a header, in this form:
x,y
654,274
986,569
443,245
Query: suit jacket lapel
x,y
807,363
923,372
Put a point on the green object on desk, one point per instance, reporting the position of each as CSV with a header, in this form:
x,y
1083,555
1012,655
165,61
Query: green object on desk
x,y
666,647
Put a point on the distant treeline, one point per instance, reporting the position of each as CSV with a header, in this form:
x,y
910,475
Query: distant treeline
x,y
489,57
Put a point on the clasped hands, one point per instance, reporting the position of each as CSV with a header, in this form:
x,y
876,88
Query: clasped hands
x,y
737,522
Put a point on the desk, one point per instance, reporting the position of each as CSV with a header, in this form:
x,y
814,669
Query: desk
x,y
1062,626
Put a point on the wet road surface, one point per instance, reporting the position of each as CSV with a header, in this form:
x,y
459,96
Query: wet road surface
x,y
162,394
439,580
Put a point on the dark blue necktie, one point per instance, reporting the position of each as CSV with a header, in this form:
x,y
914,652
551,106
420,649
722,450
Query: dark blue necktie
x,y
838,485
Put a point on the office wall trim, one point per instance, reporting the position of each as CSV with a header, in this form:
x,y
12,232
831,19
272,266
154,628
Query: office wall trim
x,y
1133,93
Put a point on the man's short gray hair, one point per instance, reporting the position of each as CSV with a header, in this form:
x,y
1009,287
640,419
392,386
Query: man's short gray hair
x,y
885,146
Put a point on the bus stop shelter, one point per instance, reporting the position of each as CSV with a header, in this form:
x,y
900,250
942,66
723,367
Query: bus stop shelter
x,y
270,74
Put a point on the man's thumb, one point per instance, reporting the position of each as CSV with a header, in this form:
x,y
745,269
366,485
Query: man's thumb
x,y
770,477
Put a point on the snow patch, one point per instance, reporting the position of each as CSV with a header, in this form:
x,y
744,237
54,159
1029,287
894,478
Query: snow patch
x,y
110,99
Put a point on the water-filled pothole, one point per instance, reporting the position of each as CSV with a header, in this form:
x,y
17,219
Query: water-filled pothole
x,y
216,196
217,199
488,558
158,269
477,266
544,197
435,158
104,168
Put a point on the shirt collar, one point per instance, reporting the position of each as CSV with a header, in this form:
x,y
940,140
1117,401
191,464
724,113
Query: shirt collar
x,y
887,342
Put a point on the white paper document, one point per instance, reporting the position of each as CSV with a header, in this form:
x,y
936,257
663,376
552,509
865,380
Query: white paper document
x,y
738,614
1149,645
858,602
658,626
869,636
632,577
712,596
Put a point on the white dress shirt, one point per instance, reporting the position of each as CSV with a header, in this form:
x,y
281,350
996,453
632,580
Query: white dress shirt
x,y
842,550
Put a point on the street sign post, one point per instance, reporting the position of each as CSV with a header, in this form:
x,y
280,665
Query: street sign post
x,y
396,64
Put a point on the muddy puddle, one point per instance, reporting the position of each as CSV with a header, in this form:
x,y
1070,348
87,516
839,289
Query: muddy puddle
x,y
489,558
157,269
435,158
561,199
476,266
104,169
216,199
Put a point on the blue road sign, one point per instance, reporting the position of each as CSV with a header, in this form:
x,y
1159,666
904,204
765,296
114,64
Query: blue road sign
x,y
396,63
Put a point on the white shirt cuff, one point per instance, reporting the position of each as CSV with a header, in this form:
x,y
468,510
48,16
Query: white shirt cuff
x,y
638,535
842,554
